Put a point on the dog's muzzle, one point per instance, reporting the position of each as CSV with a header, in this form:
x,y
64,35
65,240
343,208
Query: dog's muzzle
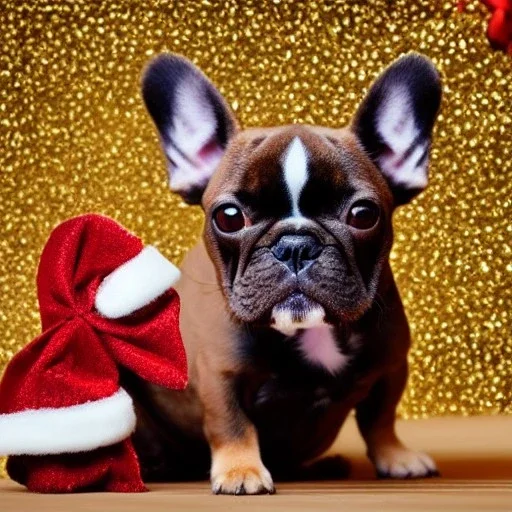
x,y
297,252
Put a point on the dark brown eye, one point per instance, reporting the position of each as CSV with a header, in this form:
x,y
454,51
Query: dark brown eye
x,y
229,218
363,214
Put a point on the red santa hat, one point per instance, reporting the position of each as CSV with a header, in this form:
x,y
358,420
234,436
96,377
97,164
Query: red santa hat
x,y
105,302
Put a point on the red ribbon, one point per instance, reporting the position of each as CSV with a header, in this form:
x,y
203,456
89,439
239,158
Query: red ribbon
x,y
499,30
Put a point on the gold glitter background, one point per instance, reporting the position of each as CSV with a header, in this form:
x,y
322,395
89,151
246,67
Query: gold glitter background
x,y
74,137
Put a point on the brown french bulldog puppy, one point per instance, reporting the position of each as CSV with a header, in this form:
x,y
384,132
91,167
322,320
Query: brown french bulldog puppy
x,y
290,314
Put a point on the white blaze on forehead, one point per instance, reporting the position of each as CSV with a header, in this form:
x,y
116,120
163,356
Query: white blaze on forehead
x,y
295,169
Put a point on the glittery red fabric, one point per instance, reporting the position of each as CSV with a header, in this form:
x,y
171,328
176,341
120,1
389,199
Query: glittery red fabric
x,y
112,468
499,30
77,357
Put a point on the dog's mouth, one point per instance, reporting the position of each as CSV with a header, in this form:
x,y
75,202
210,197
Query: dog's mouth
x,y
297,311
268,294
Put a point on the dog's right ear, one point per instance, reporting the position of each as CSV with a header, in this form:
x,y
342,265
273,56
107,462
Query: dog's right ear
x,y
193,120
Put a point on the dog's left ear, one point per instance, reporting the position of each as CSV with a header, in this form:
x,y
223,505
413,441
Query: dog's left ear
x,y
394,123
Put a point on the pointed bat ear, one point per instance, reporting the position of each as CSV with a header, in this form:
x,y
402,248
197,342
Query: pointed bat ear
x,y
394,123
193,120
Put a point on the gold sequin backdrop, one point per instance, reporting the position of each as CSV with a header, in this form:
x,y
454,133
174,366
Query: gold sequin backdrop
x,y
76,138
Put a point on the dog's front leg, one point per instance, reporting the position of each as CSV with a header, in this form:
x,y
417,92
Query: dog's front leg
x,y
236,467
376,422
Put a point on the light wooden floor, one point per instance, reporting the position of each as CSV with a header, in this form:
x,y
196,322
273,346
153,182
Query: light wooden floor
x,y
473,454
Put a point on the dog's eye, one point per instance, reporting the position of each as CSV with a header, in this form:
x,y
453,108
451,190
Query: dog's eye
x,y
229,218
363,214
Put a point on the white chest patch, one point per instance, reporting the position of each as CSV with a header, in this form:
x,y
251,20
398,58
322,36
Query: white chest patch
x,y
295,169
318,346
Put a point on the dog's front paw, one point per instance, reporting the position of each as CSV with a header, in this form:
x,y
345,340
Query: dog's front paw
x,y
400,462
243,480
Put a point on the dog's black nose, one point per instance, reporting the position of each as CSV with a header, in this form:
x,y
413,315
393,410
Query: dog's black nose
x,y
297,252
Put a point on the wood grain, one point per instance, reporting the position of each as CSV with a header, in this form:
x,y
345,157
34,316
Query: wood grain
x,y
473,454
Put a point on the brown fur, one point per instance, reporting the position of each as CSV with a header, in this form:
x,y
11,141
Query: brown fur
x,y
238,408
208,334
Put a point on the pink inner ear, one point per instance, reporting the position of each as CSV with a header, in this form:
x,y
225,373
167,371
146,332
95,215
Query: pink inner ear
x,y
389,155
397,163
210,153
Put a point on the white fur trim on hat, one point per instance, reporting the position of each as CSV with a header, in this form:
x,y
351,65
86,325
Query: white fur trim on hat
x,y
135,284
77,428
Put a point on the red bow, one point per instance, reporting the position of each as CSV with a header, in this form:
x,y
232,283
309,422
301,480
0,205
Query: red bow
x,y
63,416
79,344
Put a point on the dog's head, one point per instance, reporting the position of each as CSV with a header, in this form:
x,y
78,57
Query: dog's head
x,y
298,218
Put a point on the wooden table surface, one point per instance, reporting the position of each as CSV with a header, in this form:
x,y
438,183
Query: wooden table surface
x,y
473,454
